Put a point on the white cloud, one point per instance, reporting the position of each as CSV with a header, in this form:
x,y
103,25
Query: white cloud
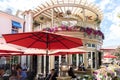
x,y
91,0
115,27
20,4
114,30
115,18
103,4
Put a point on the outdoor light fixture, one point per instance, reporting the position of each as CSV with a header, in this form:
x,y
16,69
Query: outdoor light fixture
x,y
68,12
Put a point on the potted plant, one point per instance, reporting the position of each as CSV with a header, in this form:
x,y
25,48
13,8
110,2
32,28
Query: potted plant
x,y
98,21
36,23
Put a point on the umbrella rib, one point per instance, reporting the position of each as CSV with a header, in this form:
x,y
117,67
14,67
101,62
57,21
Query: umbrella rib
x,y
55,37
31,44
39,39
19,39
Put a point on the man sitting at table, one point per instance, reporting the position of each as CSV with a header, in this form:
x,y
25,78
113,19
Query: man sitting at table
x,y
71,72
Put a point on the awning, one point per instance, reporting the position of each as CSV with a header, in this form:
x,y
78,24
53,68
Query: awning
x,y
16,24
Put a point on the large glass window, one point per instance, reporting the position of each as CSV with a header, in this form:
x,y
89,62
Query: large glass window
x,y
93,45
89,45
89,59
14,30
69,23
5,62
56,64
93,59
80,58
74,59
15,26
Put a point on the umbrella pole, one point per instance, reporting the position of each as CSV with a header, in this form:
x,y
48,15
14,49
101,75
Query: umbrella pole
x,y
47,63
47,57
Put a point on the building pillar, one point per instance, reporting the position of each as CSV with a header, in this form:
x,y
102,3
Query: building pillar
x,y
44,64
51,62
52,18
39,64
96,59
60,59
91,59
28,20
28,16
84,17
23,60
70,59
85,60
77,61
66,58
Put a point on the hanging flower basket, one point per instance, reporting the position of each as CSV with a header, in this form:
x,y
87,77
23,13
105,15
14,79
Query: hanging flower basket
x,y
68,12
87,31
36,23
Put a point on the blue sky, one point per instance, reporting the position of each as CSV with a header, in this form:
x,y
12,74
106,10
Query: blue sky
x,y
110,25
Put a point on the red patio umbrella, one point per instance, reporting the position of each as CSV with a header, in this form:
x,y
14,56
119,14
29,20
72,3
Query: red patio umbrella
x,y
43,40
109,56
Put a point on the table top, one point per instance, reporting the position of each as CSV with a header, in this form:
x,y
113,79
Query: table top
x,y
64,78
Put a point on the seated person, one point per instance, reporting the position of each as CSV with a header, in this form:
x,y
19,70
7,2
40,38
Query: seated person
x,y
13,76
82,67
52,75
71,73
2,72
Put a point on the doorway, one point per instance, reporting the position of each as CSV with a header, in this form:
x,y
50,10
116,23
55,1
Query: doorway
x,y
34,63
56,63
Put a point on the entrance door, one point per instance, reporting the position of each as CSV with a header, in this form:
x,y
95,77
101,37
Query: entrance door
x,y
99,59
56,64
93,59
74,59
42,64
34,64
80,59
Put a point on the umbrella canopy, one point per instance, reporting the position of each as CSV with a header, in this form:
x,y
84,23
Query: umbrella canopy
x,y
109,56
43,40
7,47
8,50
35,51
68,51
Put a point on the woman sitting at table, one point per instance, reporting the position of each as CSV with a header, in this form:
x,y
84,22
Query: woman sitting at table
x,y
82,67
53,75
71,72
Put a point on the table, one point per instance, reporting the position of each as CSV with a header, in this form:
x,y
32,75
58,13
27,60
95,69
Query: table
x,y
88,72
64,78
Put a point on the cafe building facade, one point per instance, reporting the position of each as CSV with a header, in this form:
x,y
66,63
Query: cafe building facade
x,y
76,18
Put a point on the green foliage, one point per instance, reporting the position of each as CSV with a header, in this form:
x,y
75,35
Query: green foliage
x,y
98,21
14,60
108,74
